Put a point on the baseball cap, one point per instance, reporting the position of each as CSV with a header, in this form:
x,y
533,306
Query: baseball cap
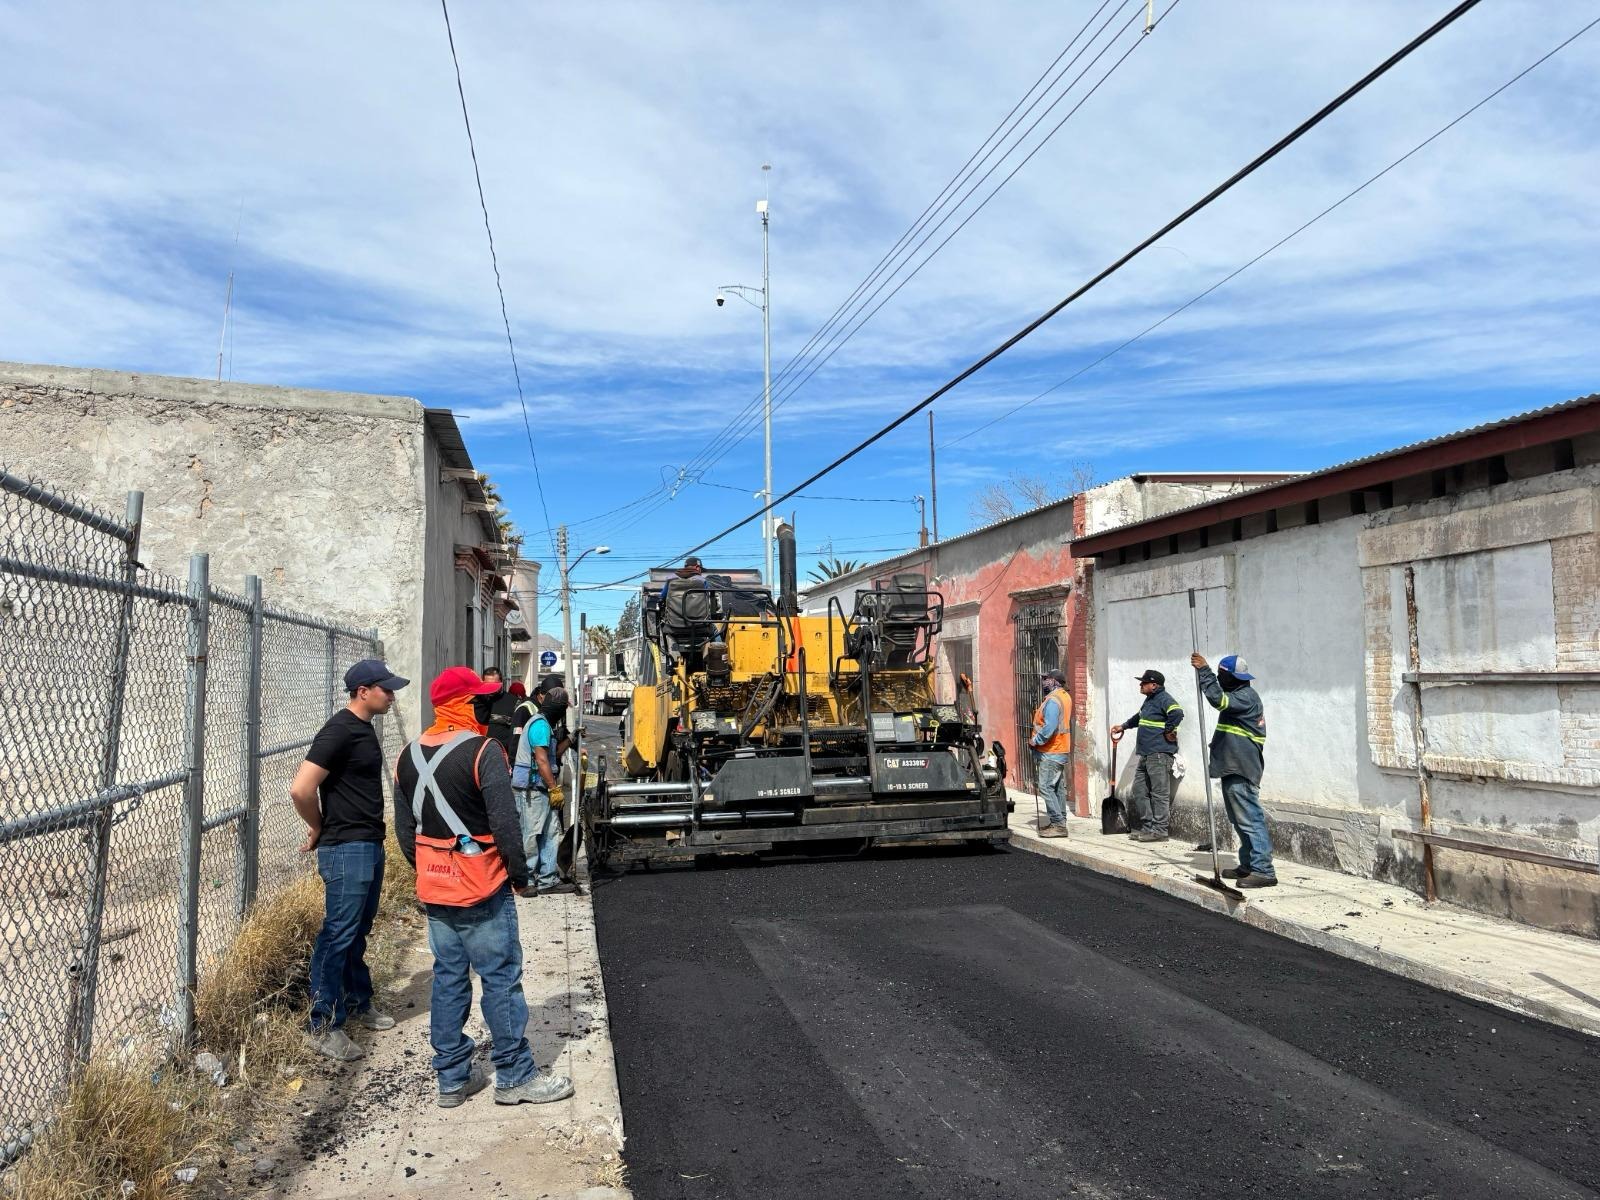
x,y
1235,665
1155,677
1057,674
454,682
371,672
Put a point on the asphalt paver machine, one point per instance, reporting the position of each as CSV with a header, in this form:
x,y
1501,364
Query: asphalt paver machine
x,y
753,729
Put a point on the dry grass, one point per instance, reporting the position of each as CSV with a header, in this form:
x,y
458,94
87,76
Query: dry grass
x,y
120,1121
125,1120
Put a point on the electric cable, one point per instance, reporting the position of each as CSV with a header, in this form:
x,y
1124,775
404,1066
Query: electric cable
x,y
839,340
1221,189
1237,271
996,138
984,150
494,260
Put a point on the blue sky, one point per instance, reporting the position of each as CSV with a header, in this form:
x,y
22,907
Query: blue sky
x,y
621,145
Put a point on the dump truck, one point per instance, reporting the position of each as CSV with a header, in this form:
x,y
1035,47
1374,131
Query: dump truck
x,y
755,730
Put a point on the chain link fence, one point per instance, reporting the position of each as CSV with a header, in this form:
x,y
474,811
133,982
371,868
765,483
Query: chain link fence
x,y
142,720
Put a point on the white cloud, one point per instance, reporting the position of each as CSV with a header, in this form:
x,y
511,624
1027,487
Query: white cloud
x,y
620,145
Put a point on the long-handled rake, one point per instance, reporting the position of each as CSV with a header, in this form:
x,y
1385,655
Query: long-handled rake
x,y
1205,770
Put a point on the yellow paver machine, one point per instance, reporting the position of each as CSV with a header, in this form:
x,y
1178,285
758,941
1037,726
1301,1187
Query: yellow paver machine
x,y
756,730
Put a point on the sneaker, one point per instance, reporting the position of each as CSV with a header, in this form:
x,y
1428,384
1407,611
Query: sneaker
x,y
558,889
1150,835
375,1020
541,1089
1235,873
334,1044
1057,830
476,1082
1258,881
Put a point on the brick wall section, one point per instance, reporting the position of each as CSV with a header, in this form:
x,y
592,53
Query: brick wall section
x,y
1080,616
1375,584
1580,724
1575,565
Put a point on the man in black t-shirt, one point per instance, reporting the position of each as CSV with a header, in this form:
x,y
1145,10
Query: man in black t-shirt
x,y
338,792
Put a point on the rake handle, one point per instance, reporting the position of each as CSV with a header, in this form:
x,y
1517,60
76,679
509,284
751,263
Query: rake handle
x,y
1200,720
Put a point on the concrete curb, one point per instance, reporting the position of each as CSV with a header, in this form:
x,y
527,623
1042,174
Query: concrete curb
x,y
1308,935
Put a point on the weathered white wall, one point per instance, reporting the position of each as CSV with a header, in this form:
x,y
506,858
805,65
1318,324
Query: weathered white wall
x,y
319,493
1505,581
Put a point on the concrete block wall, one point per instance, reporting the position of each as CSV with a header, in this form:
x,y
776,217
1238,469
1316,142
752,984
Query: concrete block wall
x,y
320,493
1322,619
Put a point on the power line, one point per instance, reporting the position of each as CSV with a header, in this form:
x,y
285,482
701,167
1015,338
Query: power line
x,y
494,260
728,487
731,435
838,341
1250,168
1240,270
985,149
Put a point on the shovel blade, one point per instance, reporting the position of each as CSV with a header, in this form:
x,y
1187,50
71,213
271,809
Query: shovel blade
x,y
1215,882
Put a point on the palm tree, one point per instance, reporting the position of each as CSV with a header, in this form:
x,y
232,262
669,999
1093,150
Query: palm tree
x,y
832,568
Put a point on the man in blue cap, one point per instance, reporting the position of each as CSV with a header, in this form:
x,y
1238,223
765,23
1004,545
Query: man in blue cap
x,y
1238,756
338,792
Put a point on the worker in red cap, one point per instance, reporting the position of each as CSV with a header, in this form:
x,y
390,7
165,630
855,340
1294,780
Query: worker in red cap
x,y
456,821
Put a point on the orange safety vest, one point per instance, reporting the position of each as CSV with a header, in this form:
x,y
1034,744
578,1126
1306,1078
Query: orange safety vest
x,y
1060,742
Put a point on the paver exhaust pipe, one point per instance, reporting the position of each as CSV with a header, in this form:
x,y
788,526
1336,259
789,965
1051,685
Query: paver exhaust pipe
x,y
788,584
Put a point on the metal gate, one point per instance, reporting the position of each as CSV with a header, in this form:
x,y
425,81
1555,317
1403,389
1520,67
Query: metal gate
x,y
1038,648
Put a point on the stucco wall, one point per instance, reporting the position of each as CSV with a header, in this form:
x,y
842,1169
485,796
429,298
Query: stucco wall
x,y
319,493
1505,581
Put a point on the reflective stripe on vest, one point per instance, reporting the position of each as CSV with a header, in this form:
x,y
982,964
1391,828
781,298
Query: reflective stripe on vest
x,y
1060,742
1259,739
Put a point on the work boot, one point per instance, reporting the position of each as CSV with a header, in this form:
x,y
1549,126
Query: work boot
x,y
1056,830
334,1044
476,1082
1235,873
558,889
1150,835
1258,881
541,1089
377,1021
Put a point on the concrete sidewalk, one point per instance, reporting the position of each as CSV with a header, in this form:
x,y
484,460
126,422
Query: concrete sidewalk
x,y
1554,977
375,1130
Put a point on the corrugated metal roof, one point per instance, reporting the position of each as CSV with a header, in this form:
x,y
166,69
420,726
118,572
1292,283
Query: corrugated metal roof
x,y
1129,534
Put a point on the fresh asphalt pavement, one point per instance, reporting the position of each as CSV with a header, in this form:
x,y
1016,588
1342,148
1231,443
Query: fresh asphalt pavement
x,y
949,1024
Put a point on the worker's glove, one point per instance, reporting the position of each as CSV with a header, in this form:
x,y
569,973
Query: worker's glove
x,y
558,796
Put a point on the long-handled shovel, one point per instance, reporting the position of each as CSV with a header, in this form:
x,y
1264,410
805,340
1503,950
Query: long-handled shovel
x,y
1205,770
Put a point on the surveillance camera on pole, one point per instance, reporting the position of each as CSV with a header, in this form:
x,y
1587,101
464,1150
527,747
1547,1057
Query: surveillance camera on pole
x,y
721,299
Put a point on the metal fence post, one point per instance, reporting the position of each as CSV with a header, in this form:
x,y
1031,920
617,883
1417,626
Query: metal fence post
x,y
80,1015
250,827
327,709
194,791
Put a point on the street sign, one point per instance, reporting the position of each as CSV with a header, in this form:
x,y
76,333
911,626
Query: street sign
x,y
547,659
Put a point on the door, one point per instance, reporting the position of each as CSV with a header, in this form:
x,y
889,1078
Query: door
x,y
1038,648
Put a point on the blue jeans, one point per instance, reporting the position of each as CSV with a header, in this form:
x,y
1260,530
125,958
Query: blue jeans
x,y
483,938
1052,777
541,835
352,878
1243,802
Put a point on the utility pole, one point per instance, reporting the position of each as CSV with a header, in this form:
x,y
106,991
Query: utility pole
x,y
566,601
768,523
933,478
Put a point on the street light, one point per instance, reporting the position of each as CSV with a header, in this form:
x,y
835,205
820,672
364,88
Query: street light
x,y
744,292
571,810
